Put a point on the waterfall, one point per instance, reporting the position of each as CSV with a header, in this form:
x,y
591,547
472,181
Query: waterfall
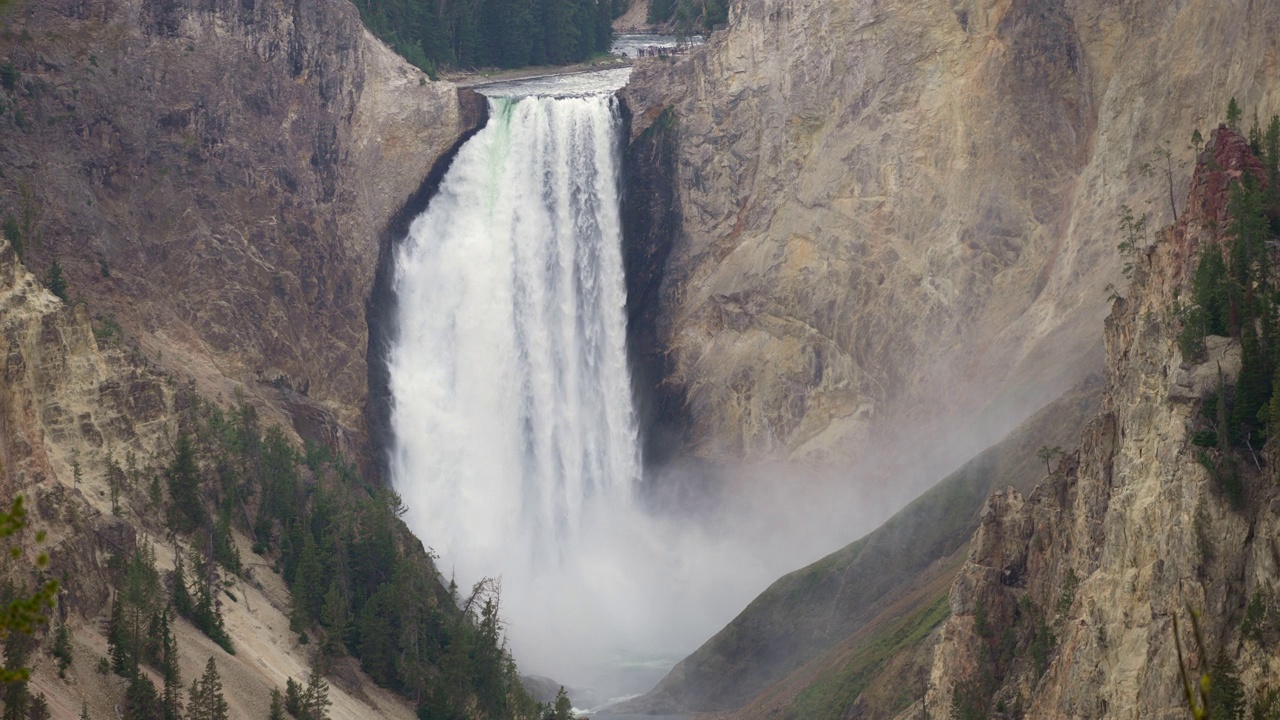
x,y
512,406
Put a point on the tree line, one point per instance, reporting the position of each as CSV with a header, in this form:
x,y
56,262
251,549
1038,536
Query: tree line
x,y
439,34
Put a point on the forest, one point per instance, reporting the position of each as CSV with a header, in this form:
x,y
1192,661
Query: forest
x,y
440,34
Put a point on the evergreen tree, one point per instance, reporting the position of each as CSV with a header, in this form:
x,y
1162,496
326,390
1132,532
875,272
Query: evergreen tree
x,y
336,619
293,698
140,699
305,587
315,700
181,595
172,698
62,649
206,614
39,709
56,281
277,705
205,701
119,646
1252,388
1233,114
183,475
1226,693
563,709
84,710
17,649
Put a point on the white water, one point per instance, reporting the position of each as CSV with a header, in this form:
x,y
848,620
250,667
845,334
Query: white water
x,y
515,440
512,397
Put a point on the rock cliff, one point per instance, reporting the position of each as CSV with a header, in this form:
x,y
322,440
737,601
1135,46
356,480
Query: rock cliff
x,y
1084,577
893,214
74,404
215,178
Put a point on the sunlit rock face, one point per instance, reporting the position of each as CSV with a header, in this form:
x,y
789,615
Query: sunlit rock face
x,y
1130,532
216,175
898,214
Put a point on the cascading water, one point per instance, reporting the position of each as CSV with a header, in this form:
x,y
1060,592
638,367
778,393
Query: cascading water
x,y
512,398
515,441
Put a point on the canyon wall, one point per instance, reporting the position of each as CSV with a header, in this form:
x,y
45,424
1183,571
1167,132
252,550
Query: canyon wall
x,y
1131,533
215,177
900,214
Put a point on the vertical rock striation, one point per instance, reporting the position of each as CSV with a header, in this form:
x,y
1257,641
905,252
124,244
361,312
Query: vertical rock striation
x,y
895,213
216,176
1130,531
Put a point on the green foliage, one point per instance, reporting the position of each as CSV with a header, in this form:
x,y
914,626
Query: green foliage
x,y
56,281
315,699
358,580
141,701
433,34
1046,455
62,649
1041,646
1267,705
293,697
135,612
206,611
1226,692
829,697
39,709
187,511
277,705
1233,114
21,610
107,331
13,233
9,76
1226,476
1133,233
1068,596
562,709
205,700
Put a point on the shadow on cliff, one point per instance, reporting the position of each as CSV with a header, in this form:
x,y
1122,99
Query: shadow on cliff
x,y
381,309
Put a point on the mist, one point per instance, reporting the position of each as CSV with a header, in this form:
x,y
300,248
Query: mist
x,y
516,445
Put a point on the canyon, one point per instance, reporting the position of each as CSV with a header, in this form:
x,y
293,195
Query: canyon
x,y
863,241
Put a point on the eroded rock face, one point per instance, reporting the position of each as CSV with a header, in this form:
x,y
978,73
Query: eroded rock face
x,y
216,175
1132,531
895,213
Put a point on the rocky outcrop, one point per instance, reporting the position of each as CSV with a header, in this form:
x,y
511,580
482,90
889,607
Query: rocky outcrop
x,y
216,176
1131,531
894,214
81,411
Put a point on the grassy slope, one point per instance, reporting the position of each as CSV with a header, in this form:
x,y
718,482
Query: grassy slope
x,y
867,592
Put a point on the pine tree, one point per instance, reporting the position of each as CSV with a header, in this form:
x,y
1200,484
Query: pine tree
x,y
1233,114
172,698
206,701
277,705
181,595
315,700
336,619
84,710
293,698
305,588
1226,693
187,512
39,709
17,648
56,281
62,649
140,699
563,708
118,645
